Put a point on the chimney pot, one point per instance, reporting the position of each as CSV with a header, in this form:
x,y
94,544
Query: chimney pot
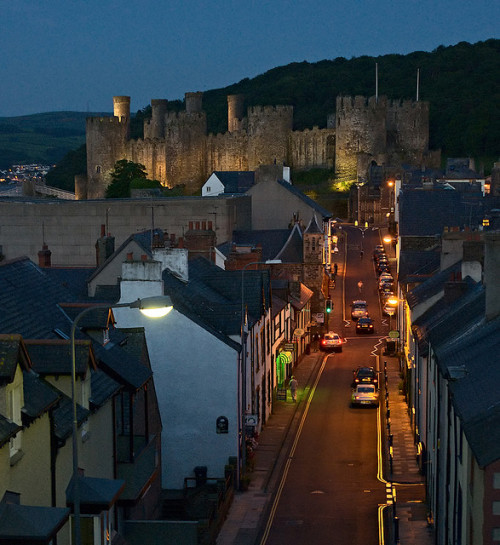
x,y
103,230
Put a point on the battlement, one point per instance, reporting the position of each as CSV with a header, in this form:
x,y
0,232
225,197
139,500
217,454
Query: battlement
x,y
349,103
266,111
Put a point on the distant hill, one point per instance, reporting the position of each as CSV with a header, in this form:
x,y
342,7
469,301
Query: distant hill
x,y
461,82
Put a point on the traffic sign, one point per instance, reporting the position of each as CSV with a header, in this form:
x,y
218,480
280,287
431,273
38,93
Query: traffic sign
x,y
394,334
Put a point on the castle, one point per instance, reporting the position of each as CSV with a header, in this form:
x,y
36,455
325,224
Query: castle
x,y
176,148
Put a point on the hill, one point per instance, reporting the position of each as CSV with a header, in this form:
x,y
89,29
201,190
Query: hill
x,y
461,82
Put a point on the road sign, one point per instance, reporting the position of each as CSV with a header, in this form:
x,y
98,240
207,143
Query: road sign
x,y
394,334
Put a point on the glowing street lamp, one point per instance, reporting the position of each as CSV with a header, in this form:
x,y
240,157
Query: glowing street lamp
x,y
153,307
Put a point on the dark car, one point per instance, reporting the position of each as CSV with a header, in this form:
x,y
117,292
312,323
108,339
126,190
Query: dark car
x,y
365,375
365,325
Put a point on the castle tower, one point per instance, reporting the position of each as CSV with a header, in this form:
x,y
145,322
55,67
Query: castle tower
x,y
193,102
121,107
159,111
269,130
361,135
408,122
235,112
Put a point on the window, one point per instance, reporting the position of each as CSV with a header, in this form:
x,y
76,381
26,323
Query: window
x,y
209,189
98,169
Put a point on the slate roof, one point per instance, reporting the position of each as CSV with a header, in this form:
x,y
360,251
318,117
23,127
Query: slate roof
x,y
475,395
212,297
313,227
428,212
236,181
7,429
30,524
323,212
63,417
416,266
121,366
103,388
29,300
444,320
39,397
431,286
74,279
53,357
271,240
284,244
96,494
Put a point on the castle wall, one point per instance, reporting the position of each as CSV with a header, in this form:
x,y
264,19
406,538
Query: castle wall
x,y
228,151
176,148
312,148
71,228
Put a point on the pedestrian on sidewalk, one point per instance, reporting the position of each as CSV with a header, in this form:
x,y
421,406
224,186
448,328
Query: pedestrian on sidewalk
x,y
293,388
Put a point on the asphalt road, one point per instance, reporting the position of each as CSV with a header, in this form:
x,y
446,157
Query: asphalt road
x,y
330,491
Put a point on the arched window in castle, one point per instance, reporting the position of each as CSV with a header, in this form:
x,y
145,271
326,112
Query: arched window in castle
x,y
98,169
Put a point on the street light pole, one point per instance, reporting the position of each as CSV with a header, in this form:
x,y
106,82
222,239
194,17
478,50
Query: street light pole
x,y
243,374
151,307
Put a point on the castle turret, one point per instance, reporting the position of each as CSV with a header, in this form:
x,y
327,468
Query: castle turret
x,y
235,112
159,111
121,107
193,102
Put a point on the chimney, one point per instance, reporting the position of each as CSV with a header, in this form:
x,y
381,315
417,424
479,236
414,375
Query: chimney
x,y
104,247
44,256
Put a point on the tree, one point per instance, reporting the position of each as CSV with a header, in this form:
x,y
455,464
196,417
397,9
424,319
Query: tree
x,y
124,174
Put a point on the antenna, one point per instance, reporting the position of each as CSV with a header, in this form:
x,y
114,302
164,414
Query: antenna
x,y
376,82
43,233
418,82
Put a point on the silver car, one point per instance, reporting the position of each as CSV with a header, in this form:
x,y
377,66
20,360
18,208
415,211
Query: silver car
x,y
364,394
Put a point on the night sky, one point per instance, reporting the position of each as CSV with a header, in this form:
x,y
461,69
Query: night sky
x,y
76,55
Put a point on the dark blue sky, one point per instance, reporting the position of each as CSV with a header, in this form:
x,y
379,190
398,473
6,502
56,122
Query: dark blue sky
x,y
77,54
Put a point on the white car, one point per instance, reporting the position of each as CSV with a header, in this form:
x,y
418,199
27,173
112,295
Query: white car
x,y
364,394
332,341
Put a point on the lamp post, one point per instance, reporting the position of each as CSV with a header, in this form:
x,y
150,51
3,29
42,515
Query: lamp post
x,y
243,374
153,307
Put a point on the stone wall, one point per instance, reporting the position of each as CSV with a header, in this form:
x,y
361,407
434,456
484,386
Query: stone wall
x,y
71,229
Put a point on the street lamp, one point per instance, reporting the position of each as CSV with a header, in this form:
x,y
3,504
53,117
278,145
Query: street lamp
x,y
243,375
153,307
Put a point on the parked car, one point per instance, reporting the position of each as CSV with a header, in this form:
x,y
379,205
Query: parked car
x,y
365,325
365,375
332,341
385,296
388,309
359,309
364,394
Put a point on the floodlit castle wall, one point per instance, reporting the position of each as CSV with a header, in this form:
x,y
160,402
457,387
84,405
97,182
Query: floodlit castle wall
x,y
312,148
176,148
360,128
269,128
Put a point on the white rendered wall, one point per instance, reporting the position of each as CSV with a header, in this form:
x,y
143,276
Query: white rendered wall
x,y
196,381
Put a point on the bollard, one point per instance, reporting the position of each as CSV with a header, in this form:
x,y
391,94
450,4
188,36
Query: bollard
x,y
396,530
